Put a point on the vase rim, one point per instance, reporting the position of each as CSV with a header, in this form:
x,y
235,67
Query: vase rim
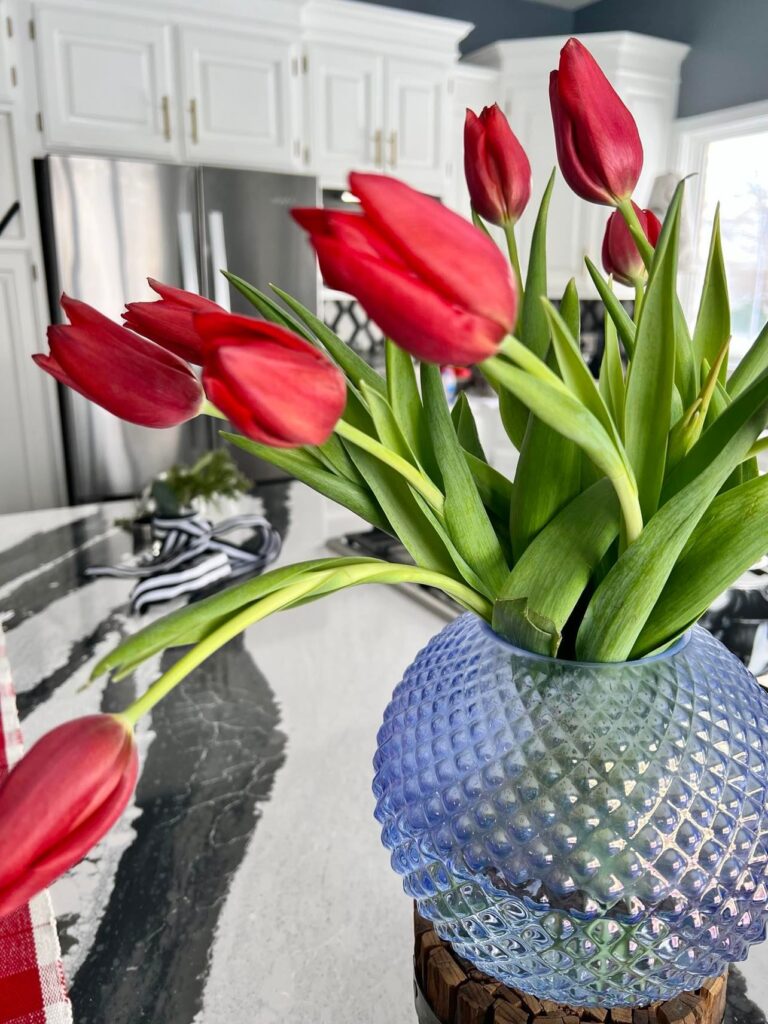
x,y
669,652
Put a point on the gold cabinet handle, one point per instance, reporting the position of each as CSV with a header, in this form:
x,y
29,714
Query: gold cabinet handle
x,y
165,106
378,148
393,149
193,119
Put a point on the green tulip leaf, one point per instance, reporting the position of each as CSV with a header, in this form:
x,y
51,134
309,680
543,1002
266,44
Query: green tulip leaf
x,y
730,537
622,321
268,308
754,363
650,379
465,515
611,380
624,600
534,331
403,394
713,324
299,463
544,587
466,428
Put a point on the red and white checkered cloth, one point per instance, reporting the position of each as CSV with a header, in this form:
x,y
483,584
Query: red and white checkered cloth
x,y
33,989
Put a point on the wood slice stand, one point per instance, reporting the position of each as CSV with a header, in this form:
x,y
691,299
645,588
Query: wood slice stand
x,y
449,990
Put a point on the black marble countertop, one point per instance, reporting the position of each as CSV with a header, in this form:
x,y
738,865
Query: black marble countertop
x,y
246,883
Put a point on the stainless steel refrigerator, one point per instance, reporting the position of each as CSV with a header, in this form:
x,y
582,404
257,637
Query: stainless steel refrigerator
x,y
110,224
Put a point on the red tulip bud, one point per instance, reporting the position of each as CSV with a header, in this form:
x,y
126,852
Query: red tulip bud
x,y
621,257
497,170
598,145
276,387
170,320
433,283
131,377
59,800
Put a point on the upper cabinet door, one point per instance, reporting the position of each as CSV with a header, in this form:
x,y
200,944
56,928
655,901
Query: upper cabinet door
x,y
106,82
240,99
417,125
345,124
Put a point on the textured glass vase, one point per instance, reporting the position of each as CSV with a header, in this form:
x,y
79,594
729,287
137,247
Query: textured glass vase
x,y
592,834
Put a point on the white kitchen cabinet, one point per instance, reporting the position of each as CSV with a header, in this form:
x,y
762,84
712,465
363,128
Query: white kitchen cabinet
x,y
8,71
645,71
344,111
30,456
377,92
240,96
416,124
368,112
106,82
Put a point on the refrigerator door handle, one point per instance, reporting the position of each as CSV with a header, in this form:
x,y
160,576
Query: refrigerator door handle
x,y
218,250
190,279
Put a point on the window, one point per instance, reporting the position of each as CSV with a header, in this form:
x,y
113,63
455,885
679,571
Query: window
x,y
728,154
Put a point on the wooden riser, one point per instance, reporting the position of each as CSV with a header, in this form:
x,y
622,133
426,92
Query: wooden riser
x,y
449,990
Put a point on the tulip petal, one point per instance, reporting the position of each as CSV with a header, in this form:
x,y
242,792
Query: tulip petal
x,y
605,134
121,341
413,315
278,389
443,249
483,180
567,155
129,379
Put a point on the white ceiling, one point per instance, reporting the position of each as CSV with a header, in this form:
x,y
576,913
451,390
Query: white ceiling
x,y
568,5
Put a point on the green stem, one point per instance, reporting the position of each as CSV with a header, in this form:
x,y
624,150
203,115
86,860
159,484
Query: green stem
x,y
416,479
639,296
615,467
328,579
514,259
636,230
272,603
209,409
761,445
478,221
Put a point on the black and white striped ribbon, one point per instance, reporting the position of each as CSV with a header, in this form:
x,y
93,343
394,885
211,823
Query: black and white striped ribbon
x,y
193,556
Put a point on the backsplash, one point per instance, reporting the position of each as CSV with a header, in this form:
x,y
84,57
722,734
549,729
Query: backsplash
x,y
348,319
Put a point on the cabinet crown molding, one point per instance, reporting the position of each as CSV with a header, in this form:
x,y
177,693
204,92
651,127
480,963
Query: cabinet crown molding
x,y
253,13
373,25
616,51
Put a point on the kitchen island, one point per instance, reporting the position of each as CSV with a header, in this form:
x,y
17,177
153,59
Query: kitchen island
x,y
246,883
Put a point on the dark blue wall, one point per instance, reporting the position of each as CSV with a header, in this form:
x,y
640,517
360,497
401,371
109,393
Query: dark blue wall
x,y
728,63
493,19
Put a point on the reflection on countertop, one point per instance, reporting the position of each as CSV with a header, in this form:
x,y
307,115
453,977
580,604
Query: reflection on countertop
x,y
247,881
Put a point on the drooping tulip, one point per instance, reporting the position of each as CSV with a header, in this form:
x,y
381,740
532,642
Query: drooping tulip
x,y
274,386
496,167
621,257
433,283
598,145
60,799
169,320
129,376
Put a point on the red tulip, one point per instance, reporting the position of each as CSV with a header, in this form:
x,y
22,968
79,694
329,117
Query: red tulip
x,y
496,168
59,800
276,387
433,283
621,257
131,377
169,321
598,145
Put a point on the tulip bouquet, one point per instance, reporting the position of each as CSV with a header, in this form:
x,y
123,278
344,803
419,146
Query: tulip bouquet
x,y
636,499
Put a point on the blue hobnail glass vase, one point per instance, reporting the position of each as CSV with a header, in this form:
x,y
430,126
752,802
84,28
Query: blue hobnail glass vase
x,y
592,834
